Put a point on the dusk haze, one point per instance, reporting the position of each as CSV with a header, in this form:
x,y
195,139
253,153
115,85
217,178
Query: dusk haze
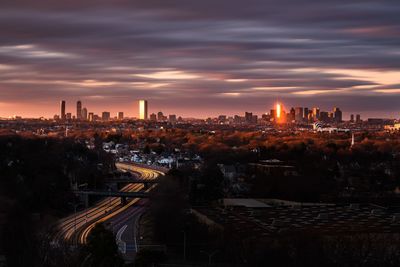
x,y
199,58
220,133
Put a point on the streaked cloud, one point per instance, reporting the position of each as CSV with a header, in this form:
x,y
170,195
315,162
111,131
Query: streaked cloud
x,y
199,56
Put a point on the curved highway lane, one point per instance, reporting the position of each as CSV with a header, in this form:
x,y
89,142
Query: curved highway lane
x,y
76,228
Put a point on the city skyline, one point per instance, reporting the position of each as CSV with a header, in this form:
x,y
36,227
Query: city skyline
x,y
188,59
278,108
199,133
277,114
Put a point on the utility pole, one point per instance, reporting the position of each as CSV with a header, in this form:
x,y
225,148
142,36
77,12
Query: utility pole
x,y
184,246
210,255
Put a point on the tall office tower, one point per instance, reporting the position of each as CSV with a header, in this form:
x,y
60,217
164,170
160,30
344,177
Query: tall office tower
x,y
62,110
272,114
248,117
305,114
324,116
254,119
352,118
160,116
337,114
153,117
315,112
105,116
291,116
143,108
222,118
84,114
79,110
172,118
358,118
237,119
91,116
279,111
120,115
298,113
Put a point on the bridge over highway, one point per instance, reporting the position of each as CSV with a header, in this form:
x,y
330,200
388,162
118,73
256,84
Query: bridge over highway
x,y
122,194
132,181
75,228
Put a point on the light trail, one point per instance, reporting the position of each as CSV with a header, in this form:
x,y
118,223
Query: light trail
x,y
76,228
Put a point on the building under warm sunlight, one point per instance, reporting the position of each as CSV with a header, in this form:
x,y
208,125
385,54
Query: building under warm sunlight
x,y
143,109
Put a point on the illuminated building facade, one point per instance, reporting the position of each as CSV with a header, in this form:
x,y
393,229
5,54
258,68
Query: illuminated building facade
x,y
143,109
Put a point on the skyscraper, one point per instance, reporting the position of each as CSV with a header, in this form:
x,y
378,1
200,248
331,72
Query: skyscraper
x,y
160,116
278,111
62,110
358,118
143,109
84,114
248,117
298,114
91,116
120,115
153,117
337,114
305,114
315,112
79,110
272,114
291,116
172,118
105,116
324,116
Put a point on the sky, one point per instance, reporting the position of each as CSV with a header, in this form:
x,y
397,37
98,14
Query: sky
x,y
199,58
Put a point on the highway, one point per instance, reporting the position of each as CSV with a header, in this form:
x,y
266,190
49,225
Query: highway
x,y
76,228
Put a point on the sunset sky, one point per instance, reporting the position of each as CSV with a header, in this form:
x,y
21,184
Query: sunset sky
x,y
199,58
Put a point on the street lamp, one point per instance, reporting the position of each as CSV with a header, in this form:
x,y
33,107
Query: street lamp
x,y
184,245
210,255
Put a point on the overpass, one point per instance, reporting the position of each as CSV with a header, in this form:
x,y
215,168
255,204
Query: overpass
x,y
122,194
132,181
113,193
147,183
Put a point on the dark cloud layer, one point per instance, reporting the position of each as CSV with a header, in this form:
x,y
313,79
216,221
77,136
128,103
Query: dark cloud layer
x,y
212,56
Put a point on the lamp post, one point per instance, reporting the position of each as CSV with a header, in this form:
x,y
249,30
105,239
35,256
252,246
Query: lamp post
x,y
184,246
210,255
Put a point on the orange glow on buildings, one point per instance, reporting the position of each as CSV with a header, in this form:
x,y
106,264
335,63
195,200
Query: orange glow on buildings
x,y
278,110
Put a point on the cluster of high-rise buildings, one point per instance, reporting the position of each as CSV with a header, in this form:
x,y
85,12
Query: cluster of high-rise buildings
x,y
82,114
305,115
295,115
144,111
276,115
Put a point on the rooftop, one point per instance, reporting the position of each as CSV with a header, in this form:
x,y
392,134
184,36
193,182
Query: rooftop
x,y
252,219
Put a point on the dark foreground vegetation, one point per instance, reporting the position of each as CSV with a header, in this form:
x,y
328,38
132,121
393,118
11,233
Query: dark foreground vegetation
x,y
186,238
37,174
36,177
